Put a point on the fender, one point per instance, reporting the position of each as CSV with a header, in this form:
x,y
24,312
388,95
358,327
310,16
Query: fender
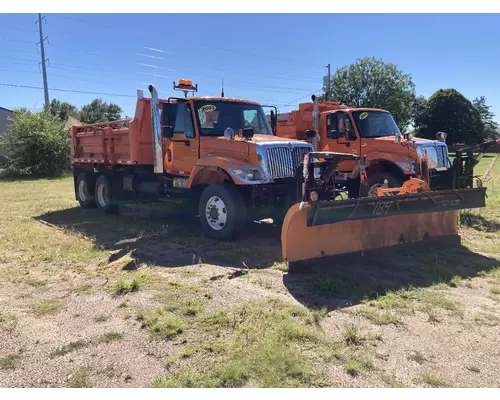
x,y
215,169
387,161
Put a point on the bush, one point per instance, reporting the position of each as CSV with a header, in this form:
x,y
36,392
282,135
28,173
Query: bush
x,y
36,144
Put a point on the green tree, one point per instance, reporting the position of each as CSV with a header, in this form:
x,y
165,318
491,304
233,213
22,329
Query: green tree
x,y
490,126
419,112
100,111
62,110
36,143
451,112
370,82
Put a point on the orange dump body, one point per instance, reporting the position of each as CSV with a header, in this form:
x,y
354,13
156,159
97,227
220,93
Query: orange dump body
x,y
115,142
300,120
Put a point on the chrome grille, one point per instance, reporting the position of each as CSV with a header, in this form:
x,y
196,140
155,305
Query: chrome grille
x,y
298,155
436,155
440,157
283,161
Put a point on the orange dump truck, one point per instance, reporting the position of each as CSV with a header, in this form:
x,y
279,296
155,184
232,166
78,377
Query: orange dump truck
x,y
222,156
218,152
366,132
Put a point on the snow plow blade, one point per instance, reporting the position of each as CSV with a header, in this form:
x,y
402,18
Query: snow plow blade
x,y
313,230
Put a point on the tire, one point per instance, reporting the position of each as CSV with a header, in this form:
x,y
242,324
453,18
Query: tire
x,y
104,195
222,211
377,180
85,192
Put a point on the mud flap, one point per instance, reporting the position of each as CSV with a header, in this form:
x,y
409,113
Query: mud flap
x,y
350,226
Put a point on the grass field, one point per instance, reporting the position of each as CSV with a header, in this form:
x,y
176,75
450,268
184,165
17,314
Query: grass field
x,y
91,300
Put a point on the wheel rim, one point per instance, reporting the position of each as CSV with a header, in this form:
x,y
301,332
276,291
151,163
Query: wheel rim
x,y
372,192
101,195
216,213
82,190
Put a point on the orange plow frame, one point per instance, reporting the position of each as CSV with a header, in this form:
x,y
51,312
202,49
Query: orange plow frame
x,y
314,230
301,242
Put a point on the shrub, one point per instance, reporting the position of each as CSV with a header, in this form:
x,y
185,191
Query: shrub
x,y
36,144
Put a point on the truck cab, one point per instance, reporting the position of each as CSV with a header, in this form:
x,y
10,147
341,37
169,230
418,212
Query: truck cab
x,y
368,133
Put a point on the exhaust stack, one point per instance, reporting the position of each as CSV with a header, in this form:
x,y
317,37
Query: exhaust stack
x,y
156,130
315,113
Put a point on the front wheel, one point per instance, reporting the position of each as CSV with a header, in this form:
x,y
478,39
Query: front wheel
x,y
377,180
222,211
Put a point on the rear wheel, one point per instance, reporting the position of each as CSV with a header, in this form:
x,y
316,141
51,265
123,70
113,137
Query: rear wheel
x,y
222,211
104,195
84,192
377,180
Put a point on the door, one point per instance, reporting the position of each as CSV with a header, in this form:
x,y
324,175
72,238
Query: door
x,y
342,138
182,150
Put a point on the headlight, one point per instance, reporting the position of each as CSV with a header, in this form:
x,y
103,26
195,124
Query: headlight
x,y
254,175
247,174
239,173
408,166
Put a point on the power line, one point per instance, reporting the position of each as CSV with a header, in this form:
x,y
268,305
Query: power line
x,y
18,51
66,90
18,59
62,66
258,55
15,63
16,41
17,29
232,83
284,76
119,31
292,103
87,22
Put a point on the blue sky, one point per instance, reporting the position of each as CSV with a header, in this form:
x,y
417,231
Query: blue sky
x,y
275,59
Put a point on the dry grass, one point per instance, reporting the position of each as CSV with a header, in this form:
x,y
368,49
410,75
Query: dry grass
x,y
10,362
111,301
434,380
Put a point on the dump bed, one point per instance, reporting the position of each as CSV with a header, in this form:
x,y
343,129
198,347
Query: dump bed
x,y
116,142
301,120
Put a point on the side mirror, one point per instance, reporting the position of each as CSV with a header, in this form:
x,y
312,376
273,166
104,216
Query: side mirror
x,y
310,134
273,121
248,133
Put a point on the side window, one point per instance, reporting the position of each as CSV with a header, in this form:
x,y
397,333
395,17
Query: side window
x,y
349,128
332,126
184,121
251,119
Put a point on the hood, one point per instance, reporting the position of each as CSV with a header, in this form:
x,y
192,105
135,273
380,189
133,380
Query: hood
x,y
415,139
244,150
268,139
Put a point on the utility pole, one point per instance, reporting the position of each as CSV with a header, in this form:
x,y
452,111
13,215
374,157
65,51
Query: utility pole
x,y
44,69
328,92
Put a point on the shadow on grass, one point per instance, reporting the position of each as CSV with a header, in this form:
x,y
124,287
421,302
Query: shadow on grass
x,y
347,280
166,237
174,239
478,222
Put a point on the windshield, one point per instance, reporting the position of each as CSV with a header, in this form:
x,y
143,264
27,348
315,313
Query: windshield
x,y
372,124
216,116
